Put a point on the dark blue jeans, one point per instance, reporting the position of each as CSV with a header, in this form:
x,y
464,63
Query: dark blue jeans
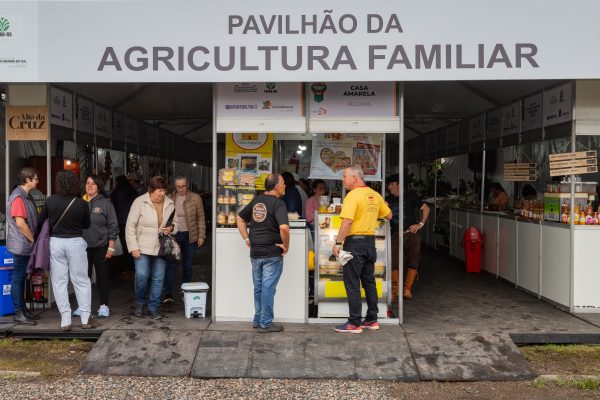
x,y
360,270
17,286
149,280
187,252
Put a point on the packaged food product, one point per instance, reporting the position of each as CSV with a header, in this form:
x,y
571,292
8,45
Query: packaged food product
x,y
231,218
221,218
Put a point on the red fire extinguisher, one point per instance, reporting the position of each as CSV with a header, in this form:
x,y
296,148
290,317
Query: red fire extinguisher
x,y
37,282
473,242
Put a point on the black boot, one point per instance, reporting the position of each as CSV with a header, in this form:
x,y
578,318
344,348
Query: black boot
x,y
30,315
20,318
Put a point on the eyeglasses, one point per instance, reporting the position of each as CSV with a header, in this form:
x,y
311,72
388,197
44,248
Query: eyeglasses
x,y
180,186
36,178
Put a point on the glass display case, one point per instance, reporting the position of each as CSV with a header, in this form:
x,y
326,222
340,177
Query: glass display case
x,y
234,192
329,283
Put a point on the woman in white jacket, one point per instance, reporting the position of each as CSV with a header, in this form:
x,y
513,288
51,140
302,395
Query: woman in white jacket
x,y
147,218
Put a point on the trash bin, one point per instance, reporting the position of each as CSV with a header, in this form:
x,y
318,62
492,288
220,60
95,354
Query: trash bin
x,y
194,299
6,270
472,243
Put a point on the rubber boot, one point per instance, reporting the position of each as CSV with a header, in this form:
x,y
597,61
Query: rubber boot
x,y
30,315
20,318
411,275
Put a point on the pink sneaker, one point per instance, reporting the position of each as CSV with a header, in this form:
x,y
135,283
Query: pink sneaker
x,y
370,325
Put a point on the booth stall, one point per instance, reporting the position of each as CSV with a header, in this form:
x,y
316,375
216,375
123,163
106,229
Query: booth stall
x,y
546,160
340,124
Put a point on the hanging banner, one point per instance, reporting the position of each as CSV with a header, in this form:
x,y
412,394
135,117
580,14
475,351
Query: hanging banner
x,y
353,99
118,132
558,105
85,115
131,130
256,100
332,152
26,123
250,154
511,119
103,118
61,108
532,112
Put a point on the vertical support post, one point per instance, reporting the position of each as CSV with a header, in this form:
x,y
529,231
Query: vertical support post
x,y
214,202
401,200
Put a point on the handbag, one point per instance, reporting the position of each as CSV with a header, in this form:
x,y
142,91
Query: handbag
x,y
169,248
40,255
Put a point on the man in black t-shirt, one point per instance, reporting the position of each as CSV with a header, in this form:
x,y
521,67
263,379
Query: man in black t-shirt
x,y
411,234
269,240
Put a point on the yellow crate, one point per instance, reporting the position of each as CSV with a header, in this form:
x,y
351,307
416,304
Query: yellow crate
x,y
336,289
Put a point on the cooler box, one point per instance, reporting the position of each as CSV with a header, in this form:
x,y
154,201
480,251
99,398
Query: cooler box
x,y
194,299
6,269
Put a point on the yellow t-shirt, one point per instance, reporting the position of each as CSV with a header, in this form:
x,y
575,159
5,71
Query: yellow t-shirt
x,y
363,206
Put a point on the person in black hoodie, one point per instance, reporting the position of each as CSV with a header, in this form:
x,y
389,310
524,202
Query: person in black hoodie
x,y
68,215
100,237
122,198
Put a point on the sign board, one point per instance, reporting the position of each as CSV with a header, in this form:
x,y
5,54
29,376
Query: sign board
x,y
260,100
511,119
85,115
250,154
582,162
332,152
103,124
61,108
520,172
265,40
573,156
493,124
353,99
477,128
558,105
27,123
532,112
574,171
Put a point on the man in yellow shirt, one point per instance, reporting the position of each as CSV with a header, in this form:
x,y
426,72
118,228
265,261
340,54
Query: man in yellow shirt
x,y
360,211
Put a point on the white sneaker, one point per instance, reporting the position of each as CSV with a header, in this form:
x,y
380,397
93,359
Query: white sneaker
x,y
76,313
103,311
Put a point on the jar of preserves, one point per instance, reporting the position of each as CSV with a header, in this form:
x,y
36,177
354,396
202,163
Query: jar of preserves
x,y
220,199
231,218
221,218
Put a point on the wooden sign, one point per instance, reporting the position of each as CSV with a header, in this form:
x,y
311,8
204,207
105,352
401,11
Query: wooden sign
x,y
583,162
574,171
573,156
27,123
520,172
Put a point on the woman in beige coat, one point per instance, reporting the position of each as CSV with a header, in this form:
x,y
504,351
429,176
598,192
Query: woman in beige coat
x,y
147,218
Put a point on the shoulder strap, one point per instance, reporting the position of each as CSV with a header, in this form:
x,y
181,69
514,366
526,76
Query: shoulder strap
x,y
170,220
64,212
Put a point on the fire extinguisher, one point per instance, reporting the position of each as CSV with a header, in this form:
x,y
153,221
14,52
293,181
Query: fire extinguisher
x,y
37,281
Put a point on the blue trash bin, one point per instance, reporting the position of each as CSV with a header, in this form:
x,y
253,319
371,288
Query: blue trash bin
x,y
6,270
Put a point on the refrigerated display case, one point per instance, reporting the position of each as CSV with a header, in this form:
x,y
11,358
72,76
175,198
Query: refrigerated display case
x,y
230,200
330,294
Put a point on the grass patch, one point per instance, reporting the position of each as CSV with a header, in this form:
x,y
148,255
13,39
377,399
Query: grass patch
x,y
49,357
563,359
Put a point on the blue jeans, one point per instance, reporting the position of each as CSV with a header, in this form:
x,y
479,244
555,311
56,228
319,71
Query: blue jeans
x,y
149,268
265,274
17,286
187,252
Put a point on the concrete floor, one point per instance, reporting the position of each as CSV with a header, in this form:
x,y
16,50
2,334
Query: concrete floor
x,y
457,327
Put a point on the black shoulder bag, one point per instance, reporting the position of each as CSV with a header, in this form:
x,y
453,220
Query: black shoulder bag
x,y
169,248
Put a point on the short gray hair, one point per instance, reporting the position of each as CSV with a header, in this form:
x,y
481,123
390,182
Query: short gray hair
x,y
357,171
180,177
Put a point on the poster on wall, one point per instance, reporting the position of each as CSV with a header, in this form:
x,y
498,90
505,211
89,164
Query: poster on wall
x,y
26,123
103,118
532,112
558,105
511,118
250,154
332,152
353,99
61,108
259,100
85,115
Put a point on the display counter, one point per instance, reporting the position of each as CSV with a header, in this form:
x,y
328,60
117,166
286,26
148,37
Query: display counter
x,y
330,293
234,293
536,256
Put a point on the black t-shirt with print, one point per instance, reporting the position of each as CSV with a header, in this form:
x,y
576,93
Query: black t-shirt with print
x,y
264,214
